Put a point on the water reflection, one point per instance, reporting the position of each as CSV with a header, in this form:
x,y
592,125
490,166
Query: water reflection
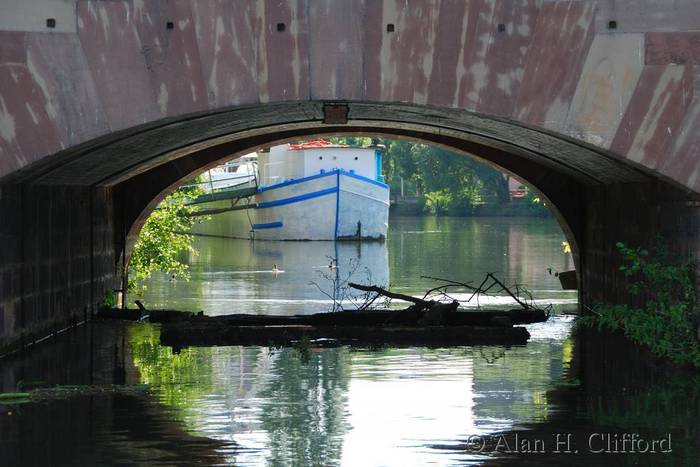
x,y
342,406
351,406
236,276
99,429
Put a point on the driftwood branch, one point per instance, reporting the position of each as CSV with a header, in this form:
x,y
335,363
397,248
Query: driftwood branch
x,y
434,308
394,295
451,282
487,284
513,296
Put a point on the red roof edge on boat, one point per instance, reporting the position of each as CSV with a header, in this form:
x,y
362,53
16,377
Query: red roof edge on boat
x,y
319,143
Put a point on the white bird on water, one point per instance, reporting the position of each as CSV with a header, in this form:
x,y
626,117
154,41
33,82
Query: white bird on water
x,y
276,270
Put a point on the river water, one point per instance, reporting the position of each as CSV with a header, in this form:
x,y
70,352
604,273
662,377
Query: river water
x,y
567,390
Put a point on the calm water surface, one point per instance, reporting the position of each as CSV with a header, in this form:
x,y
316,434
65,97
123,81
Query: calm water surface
x,y
344,406
236,276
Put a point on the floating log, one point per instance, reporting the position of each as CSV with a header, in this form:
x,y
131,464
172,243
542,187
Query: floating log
x,y
410,317
182,335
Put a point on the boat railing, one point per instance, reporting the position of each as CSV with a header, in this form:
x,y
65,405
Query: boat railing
x,y
212,185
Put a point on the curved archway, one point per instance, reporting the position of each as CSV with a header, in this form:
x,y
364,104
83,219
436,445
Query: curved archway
x,y
526,174
120,178
550,163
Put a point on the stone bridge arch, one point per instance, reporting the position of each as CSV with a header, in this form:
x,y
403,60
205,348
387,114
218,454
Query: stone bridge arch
x,y
103,105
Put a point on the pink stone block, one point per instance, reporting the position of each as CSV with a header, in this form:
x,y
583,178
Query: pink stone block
x,y
663,48
335,53
562,36
654,115
172,56
115,55
226,35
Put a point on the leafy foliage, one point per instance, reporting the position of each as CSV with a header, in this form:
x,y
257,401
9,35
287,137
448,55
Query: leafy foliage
x,y
438,201
163,238
536,206
667,322
444,181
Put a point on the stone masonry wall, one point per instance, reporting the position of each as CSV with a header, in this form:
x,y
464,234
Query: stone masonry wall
x,y
56,251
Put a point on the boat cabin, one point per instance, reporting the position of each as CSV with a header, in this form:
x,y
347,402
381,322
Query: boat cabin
x,y
297,161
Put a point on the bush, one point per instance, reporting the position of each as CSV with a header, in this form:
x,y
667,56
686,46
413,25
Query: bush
x,y
437,201
164,237
667,322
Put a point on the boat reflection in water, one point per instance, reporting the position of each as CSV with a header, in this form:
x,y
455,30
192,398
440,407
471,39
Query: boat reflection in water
x,y
238,276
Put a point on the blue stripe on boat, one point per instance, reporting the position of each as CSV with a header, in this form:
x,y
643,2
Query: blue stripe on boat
x,y
324,174
295,181
365,179
337,204
296,199
271,225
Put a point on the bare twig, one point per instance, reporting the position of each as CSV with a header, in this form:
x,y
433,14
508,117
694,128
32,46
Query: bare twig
x,y
507,290
394,295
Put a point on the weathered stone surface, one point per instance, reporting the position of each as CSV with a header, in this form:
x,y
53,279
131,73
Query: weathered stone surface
x,y
286,52
608,80
681,165
680,48
528,60
57,63
505,59
27,118
648,15
172,56
227,37
109,38
562,36
335,55
406,54
655,114
31,15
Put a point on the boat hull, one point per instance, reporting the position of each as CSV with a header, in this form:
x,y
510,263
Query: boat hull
x,y
330,206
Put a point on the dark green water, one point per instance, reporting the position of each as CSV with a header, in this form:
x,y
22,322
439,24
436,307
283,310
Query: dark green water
x,y
343,406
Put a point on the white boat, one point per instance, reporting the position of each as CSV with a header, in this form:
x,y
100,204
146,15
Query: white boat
x,y
308,191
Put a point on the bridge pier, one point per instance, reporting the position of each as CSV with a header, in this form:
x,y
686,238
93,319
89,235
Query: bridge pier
x,y
59,249
56,258
635,214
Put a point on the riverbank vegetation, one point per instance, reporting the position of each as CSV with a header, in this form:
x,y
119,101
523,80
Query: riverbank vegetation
x,y
164,238
668,318
423,179
426,179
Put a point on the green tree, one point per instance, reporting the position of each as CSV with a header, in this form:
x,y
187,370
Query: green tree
x,y
435,170
164,237
437,201
444,181
358,141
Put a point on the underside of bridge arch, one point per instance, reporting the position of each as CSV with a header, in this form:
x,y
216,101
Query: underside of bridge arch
x,y
69,220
